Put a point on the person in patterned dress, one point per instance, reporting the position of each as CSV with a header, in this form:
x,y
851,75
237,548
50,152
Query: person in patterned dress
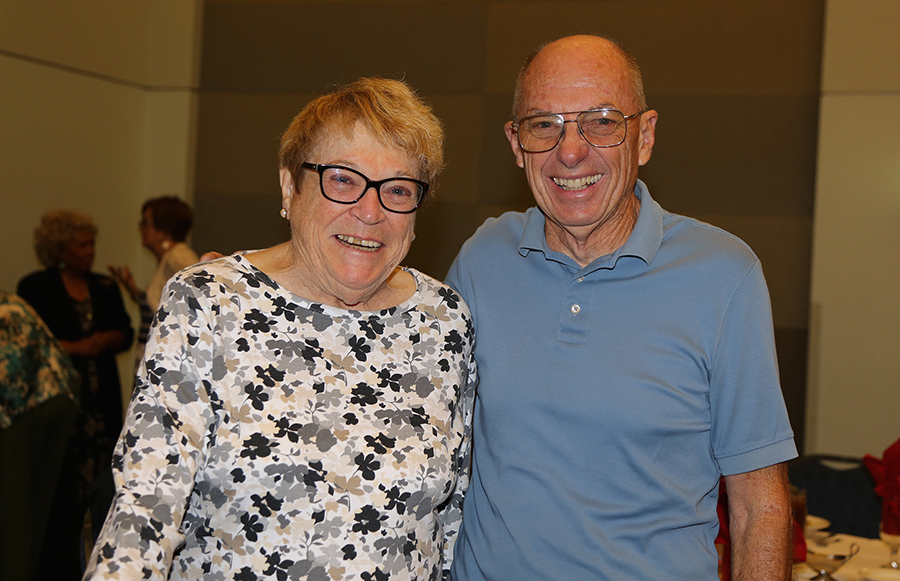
x,y
303,411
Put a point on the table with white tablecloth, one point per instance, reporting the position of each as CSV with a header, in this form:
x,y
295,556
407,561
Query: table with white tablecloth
x,y
872,554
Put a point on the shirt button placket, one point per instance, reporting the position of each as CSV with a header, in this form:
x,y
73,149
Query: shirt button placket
x,y
573,313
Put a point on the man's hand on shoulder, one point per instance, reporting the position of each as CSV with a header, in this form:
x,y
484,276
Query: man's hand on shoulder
x,y
212,255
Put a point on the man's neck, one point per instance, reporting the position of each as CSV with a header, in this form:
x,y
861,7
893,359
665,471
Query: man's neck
x,y
586,244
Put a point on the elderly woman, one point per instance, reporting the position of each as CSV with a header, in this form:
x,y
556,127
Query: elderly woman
x,y
302,411
84,311
165,223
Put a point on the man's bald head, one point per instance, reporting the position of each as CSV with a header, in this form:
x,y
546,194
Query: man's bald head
x,y
582,46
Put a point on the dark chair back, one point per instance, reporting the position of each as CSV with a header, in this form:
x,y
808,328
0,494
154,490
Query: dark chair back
x,y
840,489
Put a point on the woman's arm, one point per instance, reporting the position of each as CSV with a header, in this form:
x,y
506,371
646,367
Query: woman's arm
x,y
110,315
123,276
95,344
161,446
451,512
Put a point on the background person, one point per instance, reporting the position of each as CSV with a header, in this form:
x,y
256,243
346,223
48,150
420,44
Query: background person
x,y
301,411
165,224
84,311
38,395
626,357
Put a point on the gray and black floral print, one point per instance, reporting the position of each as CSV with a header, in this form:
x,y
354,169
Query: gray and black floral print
x,y
274,438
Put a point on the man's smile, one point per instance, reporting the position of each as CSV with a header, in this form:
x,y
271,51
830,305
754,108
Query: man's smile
x,y
574,185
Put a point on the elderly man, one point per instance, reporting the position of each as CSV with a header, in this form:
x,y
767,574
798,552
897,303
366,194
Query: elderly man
x,y
625,354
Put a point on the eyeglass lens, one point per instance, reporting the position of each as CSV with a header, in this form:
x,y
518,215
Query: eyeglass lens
x,y
346,186
601,128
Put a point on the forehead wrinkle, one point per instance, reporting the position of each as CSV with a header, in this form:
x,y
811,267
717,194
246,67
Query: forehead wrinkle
x,y
604,105
352,165
340,138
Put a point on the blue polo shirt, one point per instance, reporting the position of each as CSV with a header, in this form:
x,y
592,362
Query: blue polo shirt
x,y
611,398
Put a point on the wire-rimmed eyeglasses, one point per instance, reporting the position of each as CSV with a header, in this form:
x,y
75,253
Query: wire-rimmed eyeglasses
x,y
599,127
344,185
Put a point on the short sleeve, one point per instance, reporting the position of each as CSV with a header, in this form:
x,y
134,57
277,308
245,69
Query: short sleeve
x,y
750,426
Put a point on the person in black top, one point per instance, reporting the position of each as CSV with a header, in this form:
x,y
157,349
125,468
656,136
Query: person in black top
x,y
84,311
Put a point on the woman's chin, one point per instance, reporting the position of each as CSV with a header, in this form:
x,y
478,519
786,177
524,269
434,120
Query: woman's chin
x,y
356,288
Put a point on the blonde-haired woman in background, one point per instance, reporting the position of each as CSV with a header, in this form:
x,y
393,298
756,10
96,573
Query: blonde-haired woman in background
x,y
84,311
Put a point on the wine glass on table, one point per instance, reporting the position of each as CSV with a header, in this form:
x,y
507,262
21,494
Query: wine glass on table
x,y
827,563
890,529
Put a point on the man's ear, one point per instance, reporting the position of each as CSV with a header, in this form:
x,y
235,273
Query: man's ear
x,y
514,143
648,136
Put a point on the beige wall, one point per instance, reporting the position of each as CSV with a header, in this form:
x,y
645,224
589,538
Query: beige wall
x,y
854,388
96,107
97,113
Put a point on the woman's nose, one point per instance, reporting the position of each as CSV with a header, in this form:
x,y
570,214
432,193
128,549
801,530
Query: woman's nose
x,y
368,208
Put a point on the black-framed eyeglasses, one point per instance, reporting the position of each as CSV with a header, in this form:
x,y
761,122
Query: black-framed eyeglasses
x,y
344,185
599,127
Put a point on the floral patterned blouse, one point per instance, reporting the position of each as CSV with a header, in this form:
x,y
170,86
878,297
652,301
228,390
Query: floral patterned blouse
x,y
270,437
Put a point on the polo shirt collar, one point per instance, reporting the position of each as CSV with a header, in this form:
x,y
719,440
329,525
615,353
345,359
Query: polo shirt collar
x,y
642,243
